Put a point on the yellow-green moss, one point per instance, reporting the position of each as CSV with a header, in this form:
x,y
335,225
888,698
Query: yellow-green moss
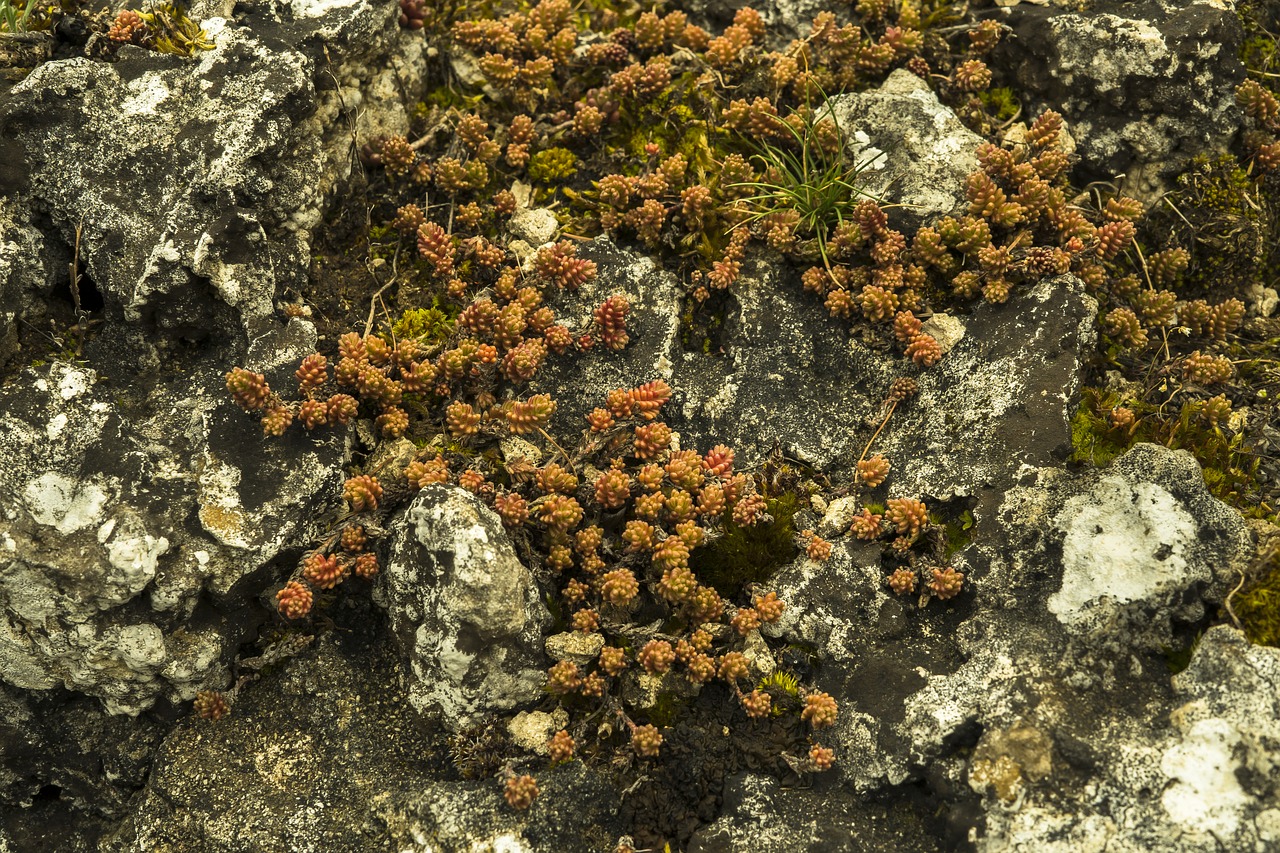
x,y
175,33
1258,606
552,166
666,710
423,324
958,528
1001,104
1230,469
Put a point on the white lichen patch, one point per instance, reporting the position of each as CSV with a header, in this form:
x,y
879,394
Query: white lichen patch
x,y
64,504
1205,797
319,8
1096,45
144,94
134,558
73,383
1123,541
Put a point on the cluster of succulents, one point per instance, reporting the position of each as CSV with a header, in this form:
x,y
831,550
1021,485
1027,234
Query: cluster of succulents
x,y
164,28
500,340
427,385
576,118
614,528
901,523
1262,109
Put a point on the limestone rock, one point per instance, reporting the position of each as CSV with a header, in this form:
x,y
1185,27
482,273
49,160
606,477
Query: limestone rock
x,y
1143,87
100,569
916,151
466,613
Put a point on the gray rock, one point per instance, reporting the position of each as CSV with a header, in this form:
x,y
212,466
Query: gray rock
x,y
143,516
911,678
101,568
467,615
764,817
580,384
916,151
196,184
789,375
1196,777
1000,399
1144,87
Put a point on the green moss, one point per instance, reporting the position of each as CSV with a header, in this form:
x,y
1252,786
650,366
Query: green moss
x,y
1227,219
1258,608
1093,441
958,527
1259,53
423,324
666,710
1000,103
447,98
746,555
701,328
553,165
1221,185
1230,468
782,682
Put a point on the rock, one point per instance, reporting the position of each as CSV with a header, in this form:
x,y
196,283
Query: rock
x,y
60,751
1207,769
1001,398
195,184
467,615
575,646
143,515
764,817
535,225
530,730
1143,90
103,569
838,516
910,679
326,753
916,151
1141,547
791,375
579,384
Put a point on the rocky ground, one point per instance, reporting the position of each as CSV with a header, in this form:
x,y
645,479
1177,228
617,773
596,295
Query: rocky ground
x,y
1102,679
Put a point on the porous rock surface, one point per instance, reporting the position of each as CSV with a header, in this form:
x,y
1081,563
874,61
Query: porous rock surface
x,y
143,520
132,545
332,756
1143,86
466,612
1056,660
913,151
146,524
194,184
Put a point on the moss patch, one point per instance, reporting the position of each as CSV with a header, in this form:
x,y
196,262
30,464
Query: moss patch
x,y
1258,607
746,555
